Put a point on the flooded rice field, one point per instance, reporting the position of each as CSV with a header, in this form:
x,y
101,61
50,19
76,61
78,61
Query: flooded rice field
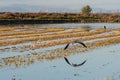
x,y
76,25
30,52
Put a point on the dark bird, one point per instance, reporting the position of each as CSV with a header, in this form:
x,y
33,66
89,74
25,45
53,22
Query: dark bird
x,y
75,42
74,65
104,27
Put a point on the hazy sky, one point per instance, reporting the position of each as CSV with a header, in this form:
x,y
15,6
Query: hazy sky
x,y
72,4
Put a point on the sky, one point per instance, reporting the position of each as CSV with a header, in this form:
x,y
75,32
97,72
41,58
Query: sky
x,y
71,4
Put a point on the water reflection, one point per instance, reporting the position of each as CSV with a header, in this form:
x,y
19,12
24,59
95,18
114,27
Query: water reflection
x,y
102,64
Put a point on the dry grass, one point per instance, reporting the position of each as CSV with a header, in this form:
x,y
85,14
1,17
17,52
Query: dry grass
x,y
46,37
52,37
60,52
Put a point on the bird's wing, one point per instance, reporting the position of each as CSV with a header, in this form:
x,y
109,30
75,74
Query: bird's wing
x,y
81,63
67,60
82,44
66,46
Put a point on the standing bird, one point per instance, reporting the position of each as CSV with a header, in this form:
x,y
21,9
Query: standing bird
x,y
74,65
104,27
75,42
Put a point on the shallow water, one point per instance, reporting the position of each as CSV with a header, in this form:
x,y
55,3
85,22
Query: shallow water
x,y
76,25
10,53
70,25
101,62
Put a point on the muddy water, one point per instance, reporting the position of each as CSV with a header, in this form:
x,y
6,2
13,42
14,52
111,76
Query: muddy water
x,y
101,62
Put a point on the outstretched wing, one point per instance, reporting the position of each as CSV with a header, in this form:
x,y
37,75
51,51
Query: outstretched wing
x,y
67,60
66,46
79,64
81,43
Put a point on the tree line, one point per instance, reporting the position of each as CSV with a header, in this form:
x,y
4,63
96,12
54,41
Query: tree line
x,y
85,15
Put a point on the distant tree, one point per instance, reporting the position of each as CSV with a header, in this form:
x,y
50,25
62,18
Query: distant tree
x,y
86,10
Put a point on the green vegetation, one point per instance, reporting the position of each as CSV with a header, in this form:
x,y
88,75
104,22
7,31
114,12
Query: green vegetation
x,y
86,10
